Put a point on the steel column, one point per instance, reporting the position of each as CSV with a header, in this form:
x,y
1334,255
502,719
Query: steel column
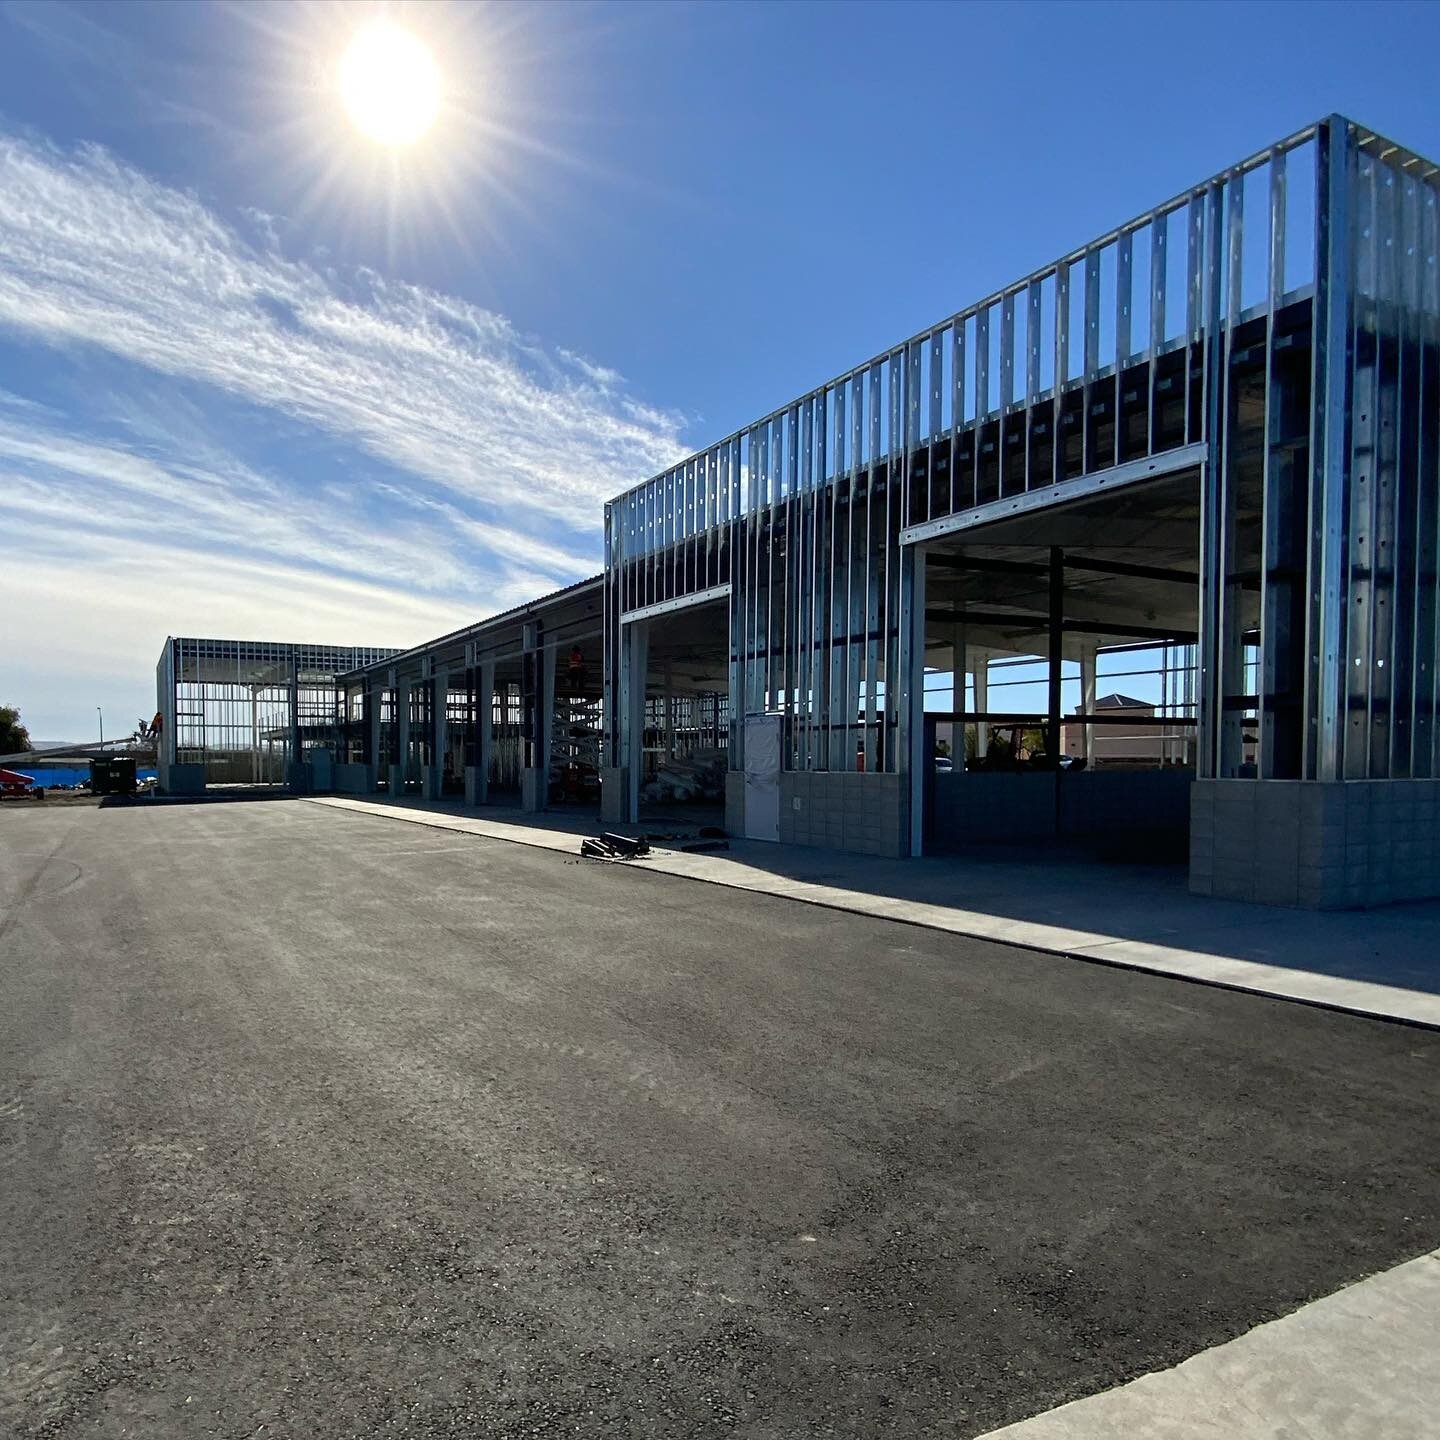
x,y
1329,500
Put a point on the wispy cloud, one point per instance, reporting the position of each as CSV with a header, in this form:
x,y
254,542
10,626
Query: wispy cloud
x,y
96,253
186,489
277,448
109,547
78,616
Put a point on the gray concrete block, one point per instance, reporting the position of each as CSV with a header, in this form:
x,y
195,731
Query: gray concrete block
x,y
1234,881
1277,884
1323,897
1357,798
1235,794
1326,839
1320,804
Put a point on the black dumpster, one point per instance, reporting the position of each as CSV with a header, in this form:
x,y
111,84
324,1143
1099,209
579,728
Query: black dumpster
x,y
114,775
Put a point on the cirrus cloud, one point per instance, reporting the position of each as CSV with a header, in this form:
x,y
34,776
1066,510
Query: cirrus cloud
x,y
96,253
271,440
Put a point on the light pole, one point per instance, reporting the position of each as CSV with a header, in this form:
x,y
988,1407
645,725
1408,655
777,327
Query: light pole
x,y
102,726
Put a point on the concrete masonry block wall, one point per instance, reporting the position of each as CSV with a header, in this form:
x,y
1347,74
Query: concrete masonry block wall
x,y
352,779
1318,845
974,805
1098,802
979,806
182,779
844,810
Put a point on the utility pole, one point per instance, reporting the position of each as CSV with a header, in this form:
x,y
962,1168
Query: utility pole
x,y
102,726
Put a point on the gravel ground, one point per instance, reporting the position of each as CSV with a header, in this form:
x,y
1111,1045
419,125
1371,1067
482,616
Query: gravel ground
x,y
317,1125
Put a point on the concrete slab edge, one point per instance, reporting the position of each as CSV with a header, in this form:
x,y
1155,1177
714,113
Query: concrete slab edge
x,y
1357,1362
1326,992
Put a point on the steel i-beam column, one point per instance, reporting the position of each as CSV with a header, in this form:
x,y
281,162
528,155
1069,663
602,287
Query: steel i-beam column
x,y
540,659
980,663
296,776
1056,652
668,715
439,736
477,777
545,740
1326,676
914,761
635,659
471,749
959,655
373,761
1212,548
1088,659
391,756
400,768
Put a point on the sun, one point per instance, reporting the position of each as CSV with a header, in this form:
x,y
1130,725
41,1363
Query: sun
x,y
390,84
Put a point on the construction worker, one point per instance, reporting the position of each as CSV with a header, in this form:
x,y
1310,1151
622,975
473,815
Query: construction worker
x,y
575,670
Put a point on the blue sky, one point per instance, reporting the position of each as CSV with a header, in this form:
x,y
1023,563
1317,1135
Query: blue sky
x,y
256,380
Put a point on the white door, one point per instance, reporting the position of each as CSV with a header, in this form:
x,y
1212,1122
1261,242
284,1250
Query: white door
x,y
762,777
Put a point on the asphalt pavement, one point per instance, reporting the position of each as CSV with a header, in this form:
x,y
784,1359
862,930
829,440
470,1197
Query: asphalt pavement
x,y
316,1125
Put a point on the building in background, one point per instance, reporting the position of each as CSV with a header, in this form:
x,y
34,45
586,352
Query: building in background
x,y
1143,744
506,711
244,712
1217,426
1212,433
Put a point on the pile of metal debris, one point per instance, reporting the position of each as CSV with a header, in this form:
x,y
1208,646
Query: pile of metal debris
x,y
610,846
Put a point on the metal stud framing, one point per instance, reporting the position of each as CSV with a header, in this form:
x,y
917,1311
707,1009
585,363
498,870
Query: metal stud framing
x,y
244,709
1316,394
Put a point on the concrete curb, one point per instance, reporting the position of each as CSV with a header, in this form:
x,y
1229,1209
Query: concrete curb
x,y
1328,992
1357,1363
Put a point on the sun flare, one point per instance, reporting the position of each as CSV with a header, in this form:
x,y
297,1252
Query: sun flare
x,y
390,84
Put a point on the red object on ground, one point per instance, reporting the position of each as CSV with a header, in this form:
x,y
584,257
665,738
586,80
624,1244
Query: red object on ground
x,y
12,782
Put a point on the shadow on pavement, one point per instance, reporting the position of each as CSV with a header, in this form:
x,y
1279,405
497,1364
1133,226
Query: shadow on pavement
x,y
1087,903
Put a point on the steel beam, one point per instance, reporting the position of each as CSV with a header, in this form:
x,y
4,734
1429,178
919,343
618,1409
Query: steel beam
x,y
680,602
1040,624
1114,477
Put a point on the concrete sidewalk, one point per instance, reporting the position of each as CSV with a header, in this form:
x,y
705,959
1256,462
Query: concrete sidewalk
x,y
1357,1364
1383,962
